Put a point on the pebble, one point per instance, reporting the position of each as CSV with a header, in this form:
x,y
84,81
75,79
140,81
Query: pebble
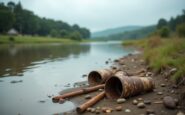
x,y
127,110
93,110
135,102
106,62
141,105
173,70
174,86
121,100
89,109
42,101
88,97
150,111
118,108
159,93
108,111
148,102
163,85
169,102
140,99
97,111
180,113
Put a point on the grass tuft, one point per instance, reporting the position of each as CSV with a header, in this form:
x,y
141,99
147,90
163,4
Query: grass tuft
x,y
162,54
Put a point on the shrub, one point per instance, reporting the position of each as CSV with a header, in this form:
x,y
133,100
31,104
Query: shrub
x,y
181,30
164,32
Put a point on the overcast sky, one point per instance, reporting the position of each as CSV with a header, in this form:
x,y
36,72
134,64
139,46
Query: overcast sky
x,y
102,14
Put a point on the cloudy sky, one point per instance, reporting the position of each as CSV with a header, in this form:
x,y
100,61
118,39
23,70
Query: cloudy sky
x,y
102,14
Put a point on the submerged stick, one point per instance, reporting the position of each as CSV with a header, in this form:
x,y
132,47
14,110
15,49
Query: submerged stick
x,y
90,102
77,92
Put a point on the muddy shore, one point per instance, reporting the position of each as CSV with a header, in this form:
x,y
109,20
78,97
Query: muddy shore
x,y
163,87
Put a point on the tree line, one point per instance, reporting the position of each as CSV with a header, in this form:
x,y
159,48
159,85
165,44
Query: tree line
x,y
13,15
176,25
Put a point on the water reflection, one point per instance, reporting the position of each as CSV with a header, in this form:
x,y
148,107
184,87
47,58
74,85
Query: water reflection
x,y
15,58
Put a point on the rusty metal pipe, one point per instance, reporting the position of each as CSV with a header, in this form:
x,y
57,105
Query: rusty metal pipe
x,y
123,86
100,76
90,102
78,92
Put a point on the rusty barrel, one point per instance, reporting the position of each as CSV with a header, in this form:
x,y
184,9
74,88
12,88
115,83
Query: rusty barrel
x,y
122,86
99,76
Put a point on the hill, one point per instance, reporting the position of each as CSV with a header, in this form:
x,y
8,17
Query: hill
x,y
117,30
135,34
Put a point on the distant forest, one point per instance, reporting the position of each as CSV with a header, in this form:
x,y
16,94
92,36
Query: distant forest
x,y
13,15
164,28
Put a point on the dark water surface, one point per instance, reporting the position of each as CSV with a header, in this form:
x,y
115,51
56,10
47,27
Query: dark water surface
x,y
30,74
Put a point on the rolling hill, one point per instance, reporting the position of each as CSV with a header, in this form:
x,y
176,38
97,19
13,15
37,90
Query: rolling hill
x,y
107,32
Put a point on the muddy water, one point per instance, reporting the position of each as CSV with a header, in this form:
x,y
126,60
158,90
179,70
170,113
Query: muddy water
x,y
31,74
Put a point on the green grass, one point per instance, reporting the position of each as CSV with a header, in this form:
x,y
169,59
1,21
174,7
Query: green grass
x,y
31,39
162,54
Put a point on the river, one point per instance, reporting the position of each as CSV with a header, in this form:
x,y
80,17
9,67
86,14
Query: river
x,y
31,74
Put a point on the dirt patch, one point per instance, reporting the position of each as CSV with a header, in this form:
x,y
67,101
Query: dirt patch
x,y
133,64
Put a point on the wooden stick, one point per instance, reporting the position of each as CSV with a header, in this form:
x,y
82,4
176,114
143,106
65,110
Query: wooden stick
x,y
78,92
90,102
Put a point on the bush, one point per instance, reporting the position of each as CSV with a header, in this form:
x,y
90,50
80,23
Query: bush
x,y
164,32
181,30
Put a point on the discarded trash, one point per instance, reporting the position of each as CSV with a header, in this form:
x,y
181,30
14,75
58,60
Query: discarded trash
x,y
101,76
78,92
90,102
123,86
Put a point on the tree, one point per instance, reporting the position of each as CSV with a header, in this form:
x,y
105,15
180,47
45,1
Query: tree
x,y
6,20
161,23
164,31
181,30
75,36
11,6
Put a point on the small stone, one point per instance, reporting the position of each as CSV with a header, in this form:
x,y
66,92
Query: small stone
x,y
150,111
106,62
116,60
149,74
140,99
121,100
98,108
100,90
127,110
176,101
42,101
61,101
169,102
84,75
93,110
174,86
89,109
159,93
134,102
97,111
118,108
148,102
172,91
180,113
108,111
173,70
141,105
88,97
163,85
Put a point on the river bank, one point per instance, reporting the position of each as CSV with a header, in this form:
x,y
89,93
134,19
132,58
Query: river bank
x,y
37,39
164,87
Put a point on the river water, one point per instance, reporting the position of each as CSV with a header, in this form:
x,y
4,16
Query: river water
x,y
30,74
